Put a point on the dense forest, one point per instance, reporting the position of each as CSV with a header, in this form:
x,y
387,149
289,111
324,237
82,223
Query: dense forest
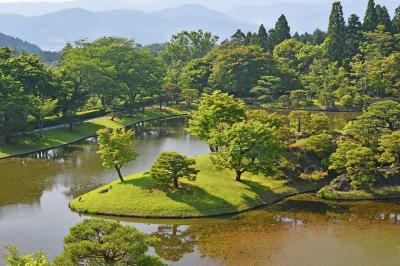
x,y
346,68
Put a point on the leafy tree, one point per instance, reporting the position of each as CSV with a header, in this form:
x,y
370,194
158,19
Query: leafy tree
x,y
298,120
370,18
347,101
314,177
15,107
116,149
298,97
43,108
237,69
389,146
247,146
336,34
185,46
379,119
189,95
269,87
360,167
355,162
320,145
215,109
317,124
15,259
171,167
100,242
251,38
195,74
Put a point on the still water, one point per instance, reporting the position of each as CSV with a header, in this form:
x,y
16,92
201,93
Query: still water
x,y
302,230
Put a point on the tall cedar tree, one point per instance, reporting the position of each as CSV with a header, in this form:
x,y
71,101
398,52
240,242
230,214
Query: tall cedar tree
x,y
262,37
383,17
336,33
371,18
396,21
280,33
354,36
238,38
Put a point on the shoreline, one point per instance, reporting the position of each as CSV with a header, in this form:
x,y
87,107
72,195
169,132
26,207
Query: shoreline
x,y
90,136
222,215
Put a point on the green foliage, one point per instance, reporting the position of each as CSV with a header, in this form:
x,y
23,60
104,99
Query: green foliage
x,y
100,242
371,17
396,21
355,162
189,95
15,259
379,119
321,145
279,33
116,148
360,167
335,41
215,109
237,69
314,176
170,167
389,146
248,146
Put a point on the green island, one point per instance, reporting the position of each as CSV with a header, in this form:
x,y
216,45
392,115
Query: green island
x,y
60,136
214,193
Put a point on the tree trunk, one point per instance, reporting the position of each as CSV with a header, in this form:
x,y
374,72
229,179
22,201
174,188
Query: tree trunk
x,y
176,185
70,127
238,176
119,173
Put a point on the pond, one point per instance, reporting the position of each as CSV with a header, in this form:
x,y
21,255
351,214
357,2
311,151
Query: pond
x,y
302,230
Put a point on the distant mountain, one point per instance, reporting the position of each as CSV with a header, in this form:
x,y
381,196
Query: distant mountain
x,y
42,7
52,31
23,46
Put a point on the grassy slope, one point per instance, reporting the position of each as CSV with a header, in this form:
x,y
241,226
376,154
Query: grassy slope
x,y
59,136
389,192
213,193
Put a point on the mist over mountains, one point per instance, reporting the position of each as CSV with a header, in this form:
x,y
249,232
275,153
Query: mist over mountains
x,y
52,25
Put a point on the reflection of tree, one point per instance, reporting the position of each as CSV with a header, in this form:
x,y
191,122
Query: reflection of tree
x,y
175,242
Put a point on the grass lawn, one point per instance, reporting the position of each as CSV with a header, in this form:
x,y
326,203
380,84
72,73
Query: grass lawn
x,y
388,192
60,136
213,193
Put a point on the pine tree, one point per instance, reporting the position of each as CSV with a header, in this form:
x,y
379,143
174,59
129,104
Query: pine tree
x,y
319,36
280,33
238,38
354,37
336,33
370,19
396,21
383,17
262,37
251,38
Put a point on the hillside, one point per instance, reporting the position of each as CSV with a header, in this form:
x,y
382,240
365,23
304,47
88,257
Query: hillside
x,y
23,46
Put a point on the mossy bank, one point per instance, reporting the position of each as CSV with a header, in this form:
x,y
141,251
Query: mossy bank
x,y
214,193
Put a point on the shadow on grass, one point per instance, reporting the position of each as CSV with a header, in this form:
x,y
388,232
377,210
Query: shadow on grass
x,y
191,195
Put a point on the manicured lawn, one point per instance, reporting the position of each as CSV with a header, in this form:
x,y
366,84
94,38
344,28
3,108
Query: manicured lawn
x,y
213,193
60,136
388,192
